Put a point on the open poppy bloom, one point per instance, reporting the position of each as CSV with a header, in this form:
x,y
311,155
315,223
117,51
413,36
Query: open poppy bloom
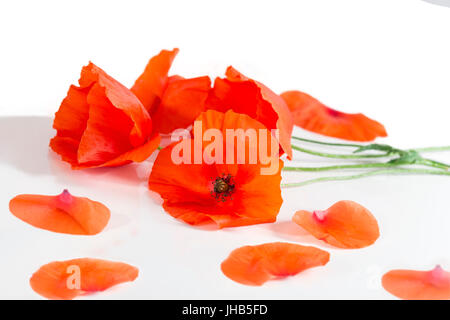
x,y
346,224
63,213
243,95
172,102
65,280
418,285
228,193
102,124
310,114
255,265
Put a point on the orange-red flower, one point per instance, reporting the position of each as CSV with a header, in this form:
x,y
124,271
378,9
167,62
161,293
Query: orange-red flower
x,y
228,194
418,285
247,96
312,115
63,213
346,224
172,102
255,265
101,123
65,280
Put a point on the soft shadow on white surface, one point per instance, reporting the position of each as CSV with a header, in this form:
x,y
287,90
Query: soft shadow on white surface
x,y
290,231
25,145
445,3
23,141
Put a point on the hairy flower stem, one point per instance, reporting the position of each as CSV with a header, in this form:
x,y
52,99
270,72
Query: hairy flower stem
x,y
367,174
328,143
354,145
363,166
339,156
432,149
338,167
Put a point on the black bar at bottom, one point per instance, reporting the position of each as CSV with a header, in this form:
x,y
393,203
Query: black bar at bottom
x,y
222,309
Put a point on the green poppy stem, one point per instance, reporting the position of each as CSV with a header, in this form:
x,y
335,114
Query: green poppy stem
x,y
328,143
338,167
433,163
367,174
339,156
432,149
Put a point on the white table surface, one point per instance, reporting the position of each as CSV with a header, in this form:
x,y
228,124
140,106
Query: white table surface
x,y
388,59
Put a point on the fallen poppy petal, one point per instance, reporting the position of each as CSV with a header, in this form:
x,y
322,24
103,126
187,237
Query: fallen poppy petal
x,y
418,285
182,101
346,224
255,265
63,213
150,85
310,114
65,280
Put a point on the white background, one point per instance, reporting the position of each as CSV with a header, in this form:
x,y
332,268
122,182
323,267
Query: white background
x,y
389,59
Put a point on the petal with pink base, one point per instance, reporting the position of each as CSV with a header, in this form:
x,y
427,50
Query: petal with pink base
x,y
418,285
63,213
346,224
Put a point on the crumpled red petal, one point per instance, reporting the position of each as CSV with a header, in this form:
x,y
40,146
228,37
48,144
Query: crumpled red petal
x,y
182,101
172,102
57,280
150,85
255,265
244,95
310,114
63,213
418,285
346,224
101,122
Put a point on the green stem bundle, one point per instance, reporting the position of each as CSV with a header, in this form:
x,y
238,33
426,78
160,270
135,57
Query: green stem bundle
x,y
397,159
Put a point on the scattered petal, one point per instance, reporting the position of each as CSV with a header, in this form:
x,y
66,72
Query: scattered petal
x,y
63,213
418,285
346,224
65,280
312,115
255,265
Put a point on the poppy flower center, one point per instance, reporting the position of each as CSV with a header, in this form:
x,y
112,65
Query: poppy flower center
x,y
223,187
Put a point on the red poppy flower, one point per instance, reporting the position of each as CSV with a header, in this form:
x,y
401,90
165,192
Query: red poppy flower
x,y
102,124
346,224
244,95
172,102
312,115
418,285
228,194
63,213
255,265
65,280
